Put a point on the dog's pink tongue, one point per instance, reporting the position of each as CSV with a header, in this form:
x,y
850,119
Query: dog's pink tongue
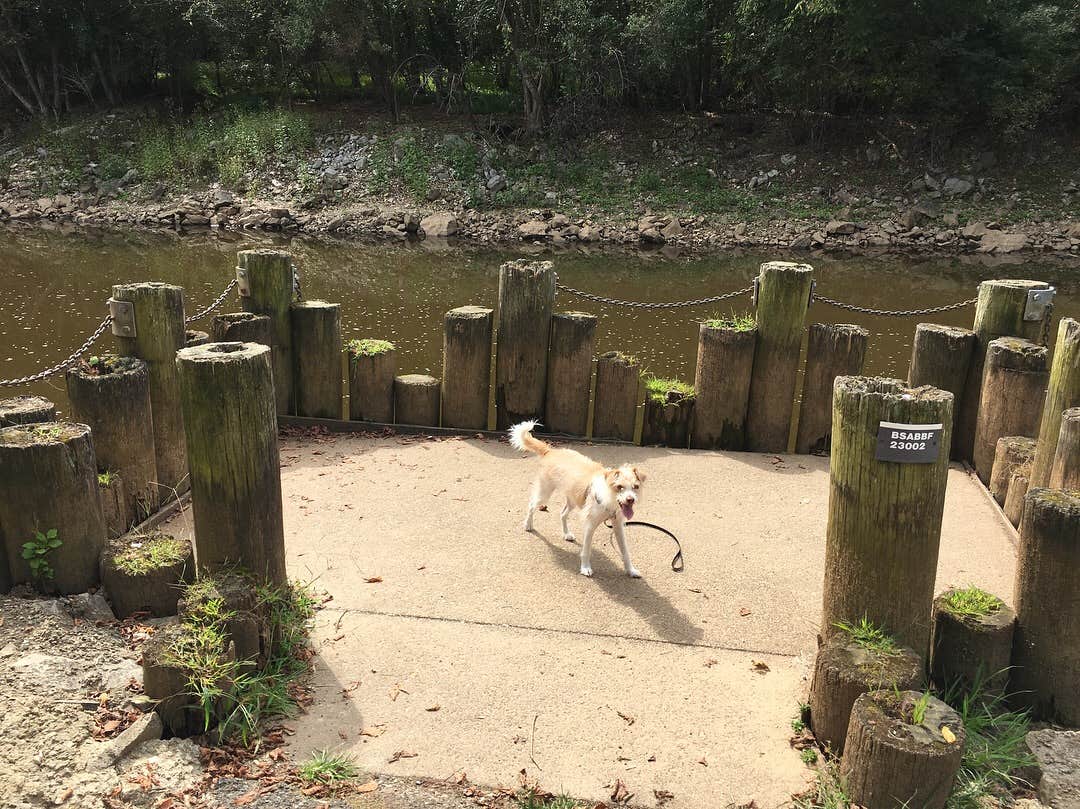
x,y
627,511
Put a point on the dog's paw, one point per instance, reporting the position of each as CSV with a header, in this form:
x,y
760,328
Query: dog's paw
x,y
633,573
569,537
527,527
586,570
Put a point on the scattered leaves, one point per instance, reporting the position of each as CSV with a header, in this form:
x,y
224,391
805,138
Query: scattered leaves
x,y
662,796
400,754
712,661
370,786
760,666
373,731
619,792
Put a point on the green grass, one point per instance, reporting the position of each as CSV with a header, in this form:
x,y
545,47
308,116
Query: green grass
x,y
918,710
325,767
868,636
368,348
657,388
809,756
107,478
737,322
972,602
828,790
532,798
154,551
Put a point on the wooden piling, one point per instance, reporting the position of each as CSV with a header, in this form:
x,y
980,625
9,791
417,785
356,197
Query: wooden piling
x,y
569,372
1014,497
970,650
999,312
941,357
195,337
26,410
725,361
416,400
159,334
618,383
48,482
1065,472
1013,388
1012,451
117,511
269,278
166,682
243,327
466,379
144,572
782,299
112,396
316,349
227,394
1046,664
526,298
372,368
876,565
833,349
1062,393
669,410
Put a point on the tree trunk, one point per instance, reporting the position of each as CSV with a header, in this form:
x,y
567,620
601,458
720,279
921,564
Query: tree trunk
x,y
243,327
466,382
1012,451
371,386
270,281
416,400
833,349
26,410
667,420
1065,473
890,761
569,372
969,650
145,573
941,356
618,380
1013,387
783,296
844,670
526,297
48,480
1018,489
1062,393
316,346
116,405
1046,653
227,394
159,327
998,313
884,525
725,361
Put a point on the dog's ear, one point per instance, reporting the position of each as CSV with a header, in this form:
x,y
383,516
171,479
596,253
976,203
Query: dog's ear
x,y
639,473
610,476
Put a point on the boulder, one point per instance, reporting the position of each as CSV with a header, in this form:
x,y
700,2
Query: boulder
x,y
672,229
651,236
1057,756
440,225
534,229
839,228
1073,230
975,230
957,187
998,241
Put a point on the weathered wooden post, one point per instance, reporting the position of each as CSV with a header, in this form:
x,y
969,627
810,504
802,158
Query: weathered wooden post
x,y
26,410
897,754
1065,472
1012,451
1013,387
372,368
112,396
833,349
1062,393
890,457
316,348
526,298
999,312
49,491
243,327
782,299
669,410
195,337
1018,489
941,357
618,382
416,400
267,288
1046,652
158,311
569,372
466,381
145,572
725,360
972,641
227,394
166,682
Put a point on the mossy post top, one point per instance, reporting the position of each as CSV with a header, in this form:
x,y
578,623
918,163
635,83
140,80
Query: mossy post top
x,y
42,433
470,312
221,352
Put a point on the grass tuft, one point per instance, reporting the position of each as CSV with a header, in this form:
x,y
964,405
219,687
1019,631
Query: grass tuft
x,y
828,791
107,478
533,798
657,388
737,322
325,767
972,602
868,636
151,552
368,348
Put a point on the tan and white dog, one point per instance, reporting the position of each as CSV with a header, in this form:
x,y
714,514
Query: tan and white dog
x,y
599,494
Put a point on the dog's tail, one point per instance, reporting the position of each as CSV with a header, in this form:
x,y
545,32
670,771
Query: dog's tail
x,y
521,438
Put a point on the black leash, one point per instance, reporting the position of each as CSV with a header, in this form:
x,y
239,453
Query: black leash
x,y
677,564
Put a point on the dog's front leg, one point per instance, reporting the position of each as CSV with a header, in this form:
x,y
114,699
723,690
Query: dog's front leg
x,y
567,534
620,537
586,549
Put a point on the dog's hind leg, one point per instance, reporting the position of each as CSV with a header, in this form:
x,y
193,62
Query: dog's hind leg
x,y
586,549
541,491
620,537
567,534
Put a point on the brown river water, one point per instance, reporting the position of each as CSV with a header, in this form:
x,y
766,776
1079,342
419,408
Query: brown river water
x,y
54,283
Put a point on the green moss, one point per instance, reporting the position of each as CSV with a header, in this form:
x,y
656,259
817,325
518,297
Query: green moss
x,y
657,388
736,322
151,552
972,602
368,348
621,358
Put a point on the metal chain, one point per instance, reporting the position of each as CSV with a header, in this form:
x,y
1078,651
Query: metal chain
x,y
1044,338
71,360
640,305
217,302
894,312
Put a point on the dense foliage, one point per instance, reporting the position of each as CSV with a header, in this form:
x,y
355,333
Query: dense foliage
x,y
1011,65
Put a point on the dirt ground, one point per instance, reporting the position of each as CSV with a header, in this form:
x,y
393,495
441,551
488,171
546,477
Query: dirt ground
x,y
455,643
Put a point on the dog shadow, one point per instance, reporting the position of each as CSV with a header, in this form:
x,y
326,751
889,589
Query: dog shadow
x,y
666,620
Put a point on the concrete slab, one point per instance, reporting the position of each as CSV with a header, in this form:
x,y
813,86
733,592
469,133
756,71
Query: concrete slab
x,y
497,627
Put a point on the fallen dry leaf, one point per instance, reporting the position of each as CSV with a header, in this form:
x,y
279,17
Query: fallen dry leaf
x,y
400,754
712,661
374,731
397,689
619,792
703,762
625,717
948,735
433,708
744,611
370,786
373,579
246,798
760,666
662,796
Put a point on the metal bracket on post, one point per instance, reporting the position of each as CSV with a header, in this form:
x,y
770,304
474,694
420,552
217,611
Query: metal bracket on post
x,y
123,317
754,293
243,286
813,286
1037,302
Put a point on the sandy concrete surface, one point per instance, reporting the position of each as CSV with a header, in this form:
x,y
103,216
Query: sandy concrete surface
x,y
497,628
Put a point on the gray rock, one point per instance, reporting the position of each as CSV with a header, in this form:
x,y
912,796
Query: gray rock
x,y
89,607
411,222
130,176
1057,753
652,236
951,220
839,228
587,234
223,198
533,230
873,154
802,242
495,183
974,230
957,187
672,229
440,225
998,241
146,728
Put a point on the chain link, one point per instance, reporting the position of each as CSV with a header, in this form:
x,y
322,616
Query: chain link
x,y
71,360
894,312
217,302
639,305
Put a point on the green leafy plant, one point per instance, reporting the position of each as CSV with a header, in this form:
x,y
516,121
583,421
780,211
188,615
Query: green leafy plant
x,y
368,347
107,478
828,790
36,554
325,767
868,636
657,388
918,709
798,725
809,756
972,602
